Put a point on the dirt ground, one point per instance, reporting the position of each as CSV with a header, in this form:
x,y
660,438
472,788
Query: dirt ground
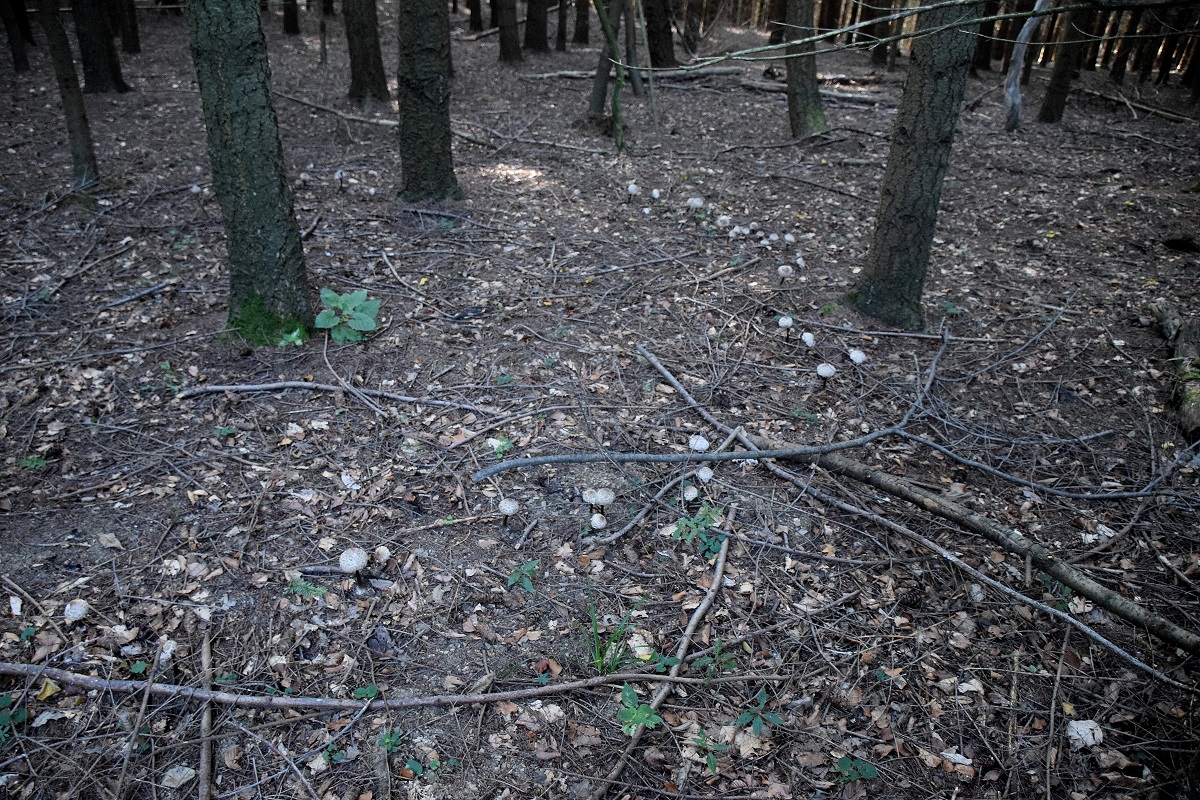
x,y
839,657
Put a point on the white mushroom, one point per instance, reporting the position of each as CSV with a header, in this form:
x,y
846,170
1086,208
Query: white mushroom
x,y
858,356
76,610
352,560
808,339
826,370
695,202
604,497
698,443
690,493
598,522
785,271
704,474
633,189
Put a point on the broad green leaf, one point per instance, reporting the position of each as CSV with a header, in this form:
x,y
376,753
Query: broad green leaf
x,y
327,319
360,322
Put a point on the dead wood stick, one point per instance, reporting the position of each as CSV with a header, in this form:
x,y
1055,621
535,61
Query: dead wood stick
x,y
1008,538
206,744
322,387
674,74
1133,104
235,700
680,656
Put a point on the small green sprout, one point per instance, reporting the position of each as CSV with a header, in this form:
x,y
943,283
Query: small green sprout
x,y
853,769
634,712
710,749
524,575
756,716
302,588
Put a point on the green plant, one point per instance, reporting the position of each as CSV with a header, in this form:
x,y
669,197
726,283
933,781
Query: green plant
x,y
523,576
10,717
709,748
33,462
634,712
368,692
302,588
501,446
609,653
663,664
853,769
1059,591
347,316
718,661
757,716
696,529
950,309
296,337
225,430
391,741
504,379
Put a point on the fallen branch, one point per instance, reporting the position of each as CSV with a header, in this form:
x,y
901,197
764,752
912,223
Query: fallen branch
x,y
1134,104
1184,341
1008,538
234,700
781,88
322,387
674,74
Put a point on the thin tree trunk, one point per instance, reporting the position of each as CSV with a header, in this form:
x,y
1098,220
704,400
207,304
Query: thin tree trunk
x,y
475,24
510,35
560,30
805,114
607,63
893,277
631,47
79,134
983,48
536,25
1071,41
423,81
582,13
16,44
131,37
291,17
367,76
1125,48
101,64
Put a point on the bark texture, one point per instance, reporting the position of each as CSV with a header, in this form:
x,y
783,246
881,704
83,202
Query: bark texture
x,y
658,33
510,34
16,43
101,65
423,91
805,114
582,16
537,23
367,77
1071,43
268,283
894,274
79,134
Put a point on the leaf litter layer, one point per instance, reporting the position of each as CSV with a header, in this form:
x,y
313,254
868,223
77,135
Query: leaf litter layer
x,y
835,655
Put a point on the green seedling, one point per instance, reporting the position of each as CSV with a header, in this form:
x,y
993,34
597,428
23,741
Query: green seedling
x,y
696,529
609,653
501,446
950,309
523,576
709,748
756,716
504,379
718,661
853,769
33,462
1059,591
295,337
634,712
347,316
10,717
302,588
391,741
368,692
663,664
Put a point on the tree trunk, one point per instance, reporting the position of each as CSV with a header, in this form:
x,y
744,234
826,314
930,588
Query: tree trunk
x,y
16,43
291,17
1148,47
79,134
631,52
101,65
805,114
423,82
831,12
606,64
1071,42
1184,18
893,276
776,15
982,61
327,9
537,23
510,34
583,12
693,15
131,37
268,283
475,9
367,76
560,30
18,7
1125,48
494,13
658,33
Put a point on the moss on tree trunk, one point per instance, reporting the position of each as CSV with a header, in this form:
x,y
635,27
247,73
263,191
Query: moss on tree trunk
x,y
268,283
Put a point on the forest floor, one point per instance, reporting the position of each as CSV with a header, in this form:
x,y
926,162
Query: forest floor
x,y
840,656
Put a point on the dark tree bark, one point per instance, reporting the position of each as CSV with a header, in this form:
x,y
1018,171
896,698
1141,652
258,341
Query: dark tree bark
x,y
1171,50
367,77
131,37
423,80
537,23
1148,47
831,12
475,24
101,65
18,7
805,114
494,13
560,31
1072,41
79,134
693,16
1125,48
631,47
510,34
268,283
291,17
893,276
982,61
606,63
583,12
776,14
16,43
658,33
327,9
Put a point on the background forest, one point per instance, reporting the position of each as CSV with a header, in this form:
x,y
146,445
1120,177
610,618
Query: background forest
x,y
325,568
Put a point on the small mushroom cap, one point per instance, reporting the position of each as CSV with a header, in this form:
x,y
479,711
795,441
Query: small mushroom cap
x,y
785,270
789,238
352,559
76,610
604,496
704,474
508,506
826,370
598,522
724,221
808,339
786,322
858,356
800,262
655,193
633,188
696,202
698,443
589,496
690,493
